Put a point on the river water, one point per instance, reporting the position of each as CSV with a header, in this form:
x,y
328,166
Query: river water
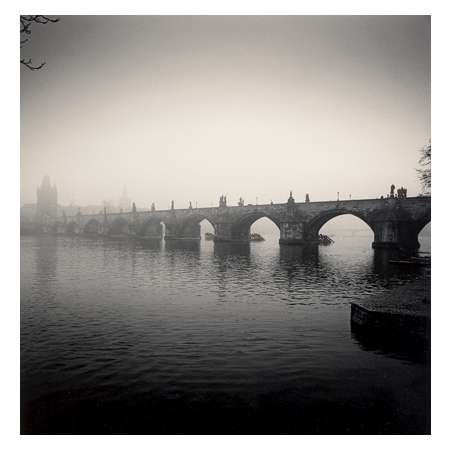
x,y
123,336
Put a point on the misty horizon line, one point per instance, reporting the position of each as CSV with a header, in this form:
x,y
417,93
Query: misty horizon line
x,y
259,201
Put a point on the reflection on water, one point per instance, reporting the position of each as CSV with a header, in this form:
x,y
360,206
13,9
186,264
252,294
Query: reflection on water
x,y
147,336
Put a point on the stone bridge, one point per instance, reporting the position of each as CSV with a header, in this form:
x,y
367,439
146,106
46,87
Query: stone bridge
x,y
395,222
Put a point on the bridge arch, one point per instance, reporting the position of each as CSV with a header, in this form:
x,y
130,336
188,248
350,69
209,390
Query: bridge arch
x,y
240,229
423,221
314,226
423,226
190,228
151,228
194,220
424,231
93,226
207,226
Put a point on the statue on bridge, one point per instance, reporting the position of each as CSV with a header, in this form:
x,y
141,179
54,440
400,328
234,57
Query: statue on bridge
x,y
133,208
172,205
223,201
392,191
190,205
291,200
401,193
152,209
241,201
291,204
307,198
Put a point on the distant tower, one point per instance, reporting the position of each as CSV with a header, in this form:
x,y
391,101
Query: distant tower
x,y
47,200
124,202
307,198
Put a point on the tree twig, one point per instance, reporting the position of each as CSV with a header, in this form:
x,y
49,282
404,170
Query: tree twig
x,y
25,30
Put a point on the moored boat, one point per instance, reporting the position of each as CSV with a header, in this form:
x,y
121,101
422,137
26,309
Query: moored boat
x,y
412,261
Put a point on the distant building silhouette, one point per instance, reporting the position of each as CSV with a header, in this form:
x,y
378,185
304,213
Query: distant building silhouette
x,y
124,202
47,200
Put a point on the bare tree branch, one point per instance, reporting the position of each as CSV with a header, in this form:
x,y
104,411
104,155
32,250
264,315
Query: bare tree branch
x,y
425,173
26,21
29,64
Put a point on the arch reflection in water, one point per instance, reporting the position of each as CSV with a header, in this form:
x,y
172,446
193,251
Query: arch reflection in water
x,y
383,269
150,244
297,262
299,255
189,246
223,250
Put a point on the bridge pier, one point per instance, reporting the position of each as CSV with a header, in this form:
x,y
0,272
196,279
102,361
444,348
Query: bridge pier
x,y
396,235
292,233
229,232
187,232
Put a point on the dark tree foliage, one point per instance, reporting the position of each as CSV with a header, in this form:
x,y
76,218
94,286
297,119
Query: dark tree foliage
x,y
25,35
425,172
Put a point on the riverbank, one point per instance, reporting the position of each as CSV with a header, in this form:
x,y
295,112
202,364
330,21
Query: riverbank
x,y
404,310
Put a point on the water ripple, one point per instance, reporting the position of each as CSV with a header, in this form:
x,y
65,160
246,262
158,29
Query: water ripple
x,y
111,320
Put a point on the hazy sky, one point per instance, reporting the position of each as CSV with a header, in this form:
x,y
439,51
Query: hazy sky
x,y
188,108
